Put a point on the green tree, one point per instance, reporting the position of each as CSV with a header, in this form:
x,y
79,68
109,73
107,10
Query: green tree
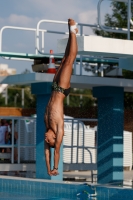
x,y
80,98
15,96
2,100
118,18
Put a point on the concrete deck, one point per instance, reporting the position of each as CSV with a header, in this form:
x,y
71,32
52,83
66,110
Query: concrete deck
x,y
82,176
100,46
128,175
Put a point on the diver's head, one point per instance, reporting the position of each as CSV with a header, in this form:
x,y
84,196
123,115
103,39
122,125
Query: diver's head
x,y
50,138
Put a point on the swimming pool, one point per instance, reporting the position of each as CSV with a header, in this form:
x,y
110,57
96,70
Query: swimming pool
x,y
37,189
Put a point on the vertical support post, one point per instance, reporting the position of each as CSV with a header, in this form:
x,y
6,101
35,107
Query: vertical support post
x,y
128,19
74,72
22,97
81,33
43,92
6,96
110,133
68,100
42,41
12,156
18,141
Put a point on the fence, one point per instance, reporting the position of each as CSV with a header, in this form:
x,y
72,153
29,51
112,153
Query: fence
x,y
79,143
26,143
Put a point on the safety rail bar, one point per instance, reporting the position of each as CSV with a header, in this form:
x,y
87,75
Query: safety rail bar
x,y
37,30
37,39
62,22
25,29
115,29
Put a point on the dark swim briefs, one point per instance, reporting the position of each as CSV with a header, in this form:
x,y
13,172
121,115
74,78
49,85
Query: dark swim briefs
x,y
56,87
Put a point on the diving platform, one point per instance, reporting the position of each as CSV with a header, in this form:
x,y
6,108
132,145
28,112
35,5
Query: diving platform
x,y
57,57
77,81
93,49
100,46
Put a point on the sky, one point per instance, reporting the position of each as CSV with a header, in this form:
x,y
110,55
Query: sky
x,y
28,13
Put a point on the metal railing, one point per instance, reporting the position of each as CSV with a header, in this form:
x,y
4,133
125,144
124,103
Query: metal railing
x,y
38,49
38,30
23,144
19,126
80,129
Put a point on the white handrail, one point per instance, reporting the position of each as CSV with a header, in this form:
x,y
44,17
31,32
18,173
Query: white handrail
x,y
12,27
26,29
37,31
58,32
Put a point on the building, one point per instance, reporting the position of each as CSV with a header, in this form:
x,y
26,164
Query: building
x,y
5,71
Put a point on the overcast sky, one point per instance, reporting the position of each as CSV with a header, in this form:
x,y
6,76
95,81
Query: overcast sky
x,y
28,13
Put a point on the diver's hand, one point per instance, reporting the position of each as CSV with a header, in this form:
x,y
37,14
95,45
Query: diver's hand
x,y
49,173
54,172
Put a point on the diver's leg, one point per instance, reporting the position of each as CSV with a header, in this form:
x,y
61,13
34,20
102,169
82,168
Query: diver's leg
x,y
57,75
65,72
65,55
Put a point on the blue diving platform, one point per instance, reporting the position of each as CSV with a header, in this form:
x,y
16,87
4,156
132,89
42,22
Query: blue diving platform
x,y
57,57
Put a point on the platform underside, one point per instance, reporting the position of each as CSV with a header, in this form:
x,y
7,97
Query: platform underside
x,y
80,82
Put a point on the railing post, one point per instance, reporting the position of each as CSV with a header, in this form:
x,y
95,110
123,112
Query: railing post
x,y
72,143
77,141
74,67
18,141
81,33
12,159
128,19
43,42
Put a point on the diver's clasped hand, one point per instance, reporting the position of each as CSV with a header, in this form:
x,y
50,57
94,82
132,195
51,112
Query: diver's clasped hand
x,y
53,172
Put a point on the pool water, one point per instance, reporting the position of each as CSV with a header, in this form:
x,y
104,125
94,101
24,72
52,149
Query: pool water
x,y
16,196
19,196
36,189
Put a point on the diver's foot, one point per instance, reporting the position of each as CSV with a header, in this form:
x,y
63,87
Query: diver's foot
x,y
72,26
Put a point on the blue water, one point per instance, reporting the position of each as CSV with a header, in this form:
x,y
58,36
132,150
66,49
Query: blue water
x,y
19,196
15,189
16,196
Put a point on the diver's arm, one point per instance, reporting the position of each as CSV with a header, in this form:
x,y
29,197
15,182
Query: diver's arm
x,y
57,152
47,157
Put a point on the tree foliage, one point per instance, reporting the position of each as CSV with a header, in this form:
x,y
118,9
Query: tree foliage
x,y
15,97
2,100
80,98
118,18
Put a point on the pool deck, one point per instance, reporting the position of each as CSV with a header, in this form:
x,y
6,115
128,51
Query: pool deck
x,y
128,175
78,176
86,175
